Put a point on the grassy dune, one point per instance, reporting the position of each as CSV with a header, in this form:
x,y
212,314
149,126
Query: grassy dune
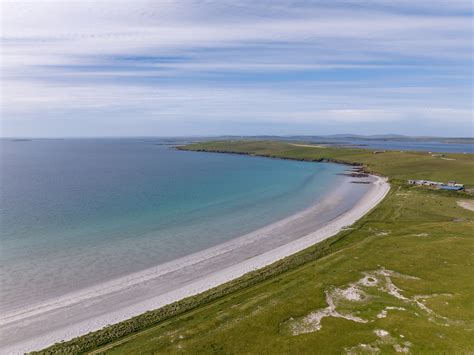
x,y
400,280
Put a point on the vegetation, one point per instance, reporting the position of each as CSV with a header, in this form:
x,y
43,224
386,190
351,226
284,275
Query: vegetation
x,y
416,247
143,321
398,166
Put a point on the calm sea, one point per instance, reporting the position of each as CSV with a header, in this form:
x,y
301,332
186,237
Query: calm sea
x,y
78,212
407,145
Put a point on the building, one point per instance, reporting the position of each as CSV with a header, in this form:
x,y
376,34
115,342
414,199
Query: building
x,y
451,185
424,182
431,183
451,188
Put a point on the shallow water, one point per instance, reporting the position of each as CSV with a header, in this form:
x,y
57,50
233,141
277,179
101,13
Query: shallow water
x,y
79,212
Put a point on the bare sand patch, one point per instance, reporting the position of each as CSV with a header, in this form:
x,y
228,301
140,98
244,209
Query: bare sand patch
x,y
312,322
383,313
405,348
368,281
352,293
308,145
467,204
360,292
362,348
384,338
381,333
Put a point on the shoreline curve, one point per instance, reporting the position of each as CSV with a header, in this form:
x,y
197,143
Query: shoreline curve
x,y
119,289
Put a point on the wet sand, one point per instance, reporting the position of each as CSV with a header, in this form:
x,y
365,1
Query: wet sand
x,y
90,309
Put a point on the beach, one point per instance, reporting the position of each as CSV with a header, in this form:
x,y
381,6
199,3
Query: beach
x,y
92,308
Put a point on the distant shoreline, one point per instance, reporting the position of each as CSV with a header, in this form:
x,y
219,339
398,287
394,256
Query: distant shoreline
x,y
197,271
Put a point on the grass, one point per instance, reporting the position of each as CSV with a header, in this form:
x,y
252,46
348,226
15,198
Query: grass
x,y
421,235
394,164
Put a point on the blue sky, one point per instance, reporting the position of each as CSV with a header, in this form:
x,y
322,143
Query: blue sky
x,y
134,68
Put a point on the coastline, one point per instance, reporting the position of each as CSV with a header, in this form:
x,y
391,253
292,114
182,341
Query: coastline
x,y
197,274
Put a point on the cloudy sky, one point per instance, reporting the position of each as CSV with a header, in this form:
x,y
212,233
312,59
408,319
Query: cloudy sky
x,y
163,67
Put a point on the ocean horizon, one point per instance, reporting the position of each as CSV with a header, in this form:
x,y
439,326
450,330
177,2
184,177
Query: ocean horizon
x,y
77,213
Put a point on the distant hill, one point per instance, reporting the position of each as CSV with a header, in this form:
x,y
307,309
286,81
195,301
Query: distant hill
x,y
342,137
376,136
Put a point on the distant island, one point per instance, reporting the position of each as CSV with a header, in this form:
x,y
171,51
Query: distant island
x,y
386,137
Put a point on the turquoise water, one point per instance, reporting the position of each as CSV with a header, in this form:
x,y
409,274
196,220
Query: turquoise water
x,y
79,212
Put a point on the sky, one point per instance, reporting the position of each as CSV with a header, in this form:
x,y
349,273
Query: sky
x,y
236,67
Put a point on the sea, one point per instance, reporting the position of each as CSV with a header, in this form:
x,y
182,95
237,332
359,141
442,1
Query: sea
x,y
77,212
399,145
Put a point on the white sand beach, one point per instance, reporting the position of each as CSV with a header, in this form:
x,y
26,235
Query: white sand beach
x,y
90,309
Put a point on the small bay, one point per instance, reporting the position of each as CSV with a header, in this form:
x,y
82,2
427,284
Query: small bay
x,y
79,212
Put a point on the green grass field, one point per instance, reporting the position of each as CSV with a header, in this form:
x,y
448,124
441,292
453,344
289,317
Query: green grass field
x,y
401,280
396,165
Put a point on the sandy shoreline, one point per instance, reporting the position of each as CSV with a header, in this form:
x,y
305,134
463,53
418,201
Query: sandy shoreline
x,y
93,308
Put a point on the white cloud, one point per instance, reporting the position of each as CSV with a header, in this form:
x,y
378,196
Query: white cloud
x,y
36,33
105,55
222,104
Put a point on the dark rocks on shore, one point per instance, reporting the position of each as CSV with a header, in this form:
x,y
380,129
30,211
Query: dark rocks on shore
x,y
356,175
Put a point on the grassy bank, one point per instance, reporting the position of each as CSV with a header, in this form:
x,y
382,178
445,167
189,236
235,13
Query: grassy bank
x,y
398,166
400,279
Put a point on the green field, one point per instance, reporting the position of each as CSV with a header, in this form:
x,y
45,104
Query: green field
x,y
401,280
396,165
